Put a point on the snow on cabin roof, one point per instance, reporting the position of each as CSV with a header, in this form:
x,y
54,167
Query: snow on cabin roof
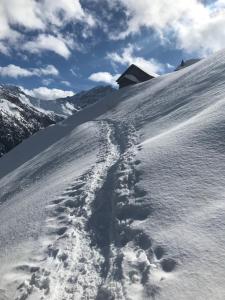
x,y
131,77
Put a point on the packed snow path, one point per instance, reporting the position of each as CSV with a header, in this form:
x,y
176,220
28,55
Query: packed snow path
x,y
72,267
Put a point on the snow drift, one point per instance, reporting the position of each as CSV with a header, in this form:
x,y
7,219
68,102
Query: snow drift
x,y
125,199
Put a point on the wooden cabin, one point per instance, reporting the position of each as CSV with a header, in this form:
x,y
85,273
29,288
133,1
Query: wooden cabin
x,y
133,75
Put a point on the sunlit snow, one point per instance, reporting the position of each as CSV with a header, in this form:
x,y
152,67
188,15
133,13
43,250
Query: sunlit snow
x,y
123,200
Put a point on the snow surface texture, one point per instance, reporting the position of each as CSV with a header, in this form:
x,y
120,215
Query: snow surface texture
x,y
124,200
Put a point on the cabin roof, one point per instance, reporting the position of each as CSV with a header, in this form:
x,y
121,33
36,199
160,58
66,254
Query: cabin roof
x,y
134,70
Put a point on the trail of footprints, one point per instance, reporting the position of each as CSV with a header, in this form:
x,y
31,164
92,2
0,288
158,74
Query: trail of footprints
x,y
65,226
141,258
133,257
74,262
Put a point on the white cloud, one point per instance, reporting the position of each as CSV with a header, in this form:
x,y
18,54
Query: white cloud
x,y
48,70
61,12
50,43
195,25
33,14
4,49
127,57
104,77
46,18
205,35
26,13
48,94
16,71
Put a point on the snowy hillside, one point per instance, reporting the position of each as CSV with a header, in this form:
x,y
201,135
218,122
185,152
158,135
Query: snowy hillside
x,y
18,120
125,199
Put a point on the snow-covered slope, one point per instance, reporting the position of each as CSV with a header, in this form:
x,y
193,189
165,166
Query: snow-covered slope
x,y
18,120
125,199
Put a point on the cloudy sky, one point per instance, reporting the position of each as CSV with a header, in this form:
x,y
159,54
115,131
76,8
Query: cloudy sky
x,y
59,47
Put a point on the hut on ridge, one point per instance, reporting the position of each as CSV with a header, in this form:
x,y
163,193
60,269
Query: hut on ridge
x,y
133,75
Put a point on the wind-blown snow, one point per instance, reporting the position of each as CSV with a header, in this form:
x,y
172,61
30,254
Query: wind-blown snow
x,y
125,199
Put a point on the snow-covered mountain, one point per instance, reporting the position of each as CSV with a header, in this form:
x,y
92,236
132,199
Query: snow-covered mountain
x,y
66,107
22,115
17,119
125,199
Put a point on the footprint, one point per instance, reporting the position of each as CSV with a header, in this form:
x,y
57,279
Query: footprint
x,y
27,268
145,275
61,230
60,209
126,234
135,212
143,241
73,193
63,256
52,252
168,264
134,276
139,192
139,148
137,162
159,252
70,203
39,280
57,201
62,218
78,186
104,294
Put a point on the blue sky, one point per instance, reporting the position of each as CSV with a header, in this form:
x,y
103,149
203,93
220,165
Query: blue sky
x,y
62,47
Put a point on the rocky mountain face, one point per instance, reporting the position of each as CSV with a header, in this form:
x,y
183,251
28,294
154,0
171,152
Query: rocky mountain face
x,y
19,120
